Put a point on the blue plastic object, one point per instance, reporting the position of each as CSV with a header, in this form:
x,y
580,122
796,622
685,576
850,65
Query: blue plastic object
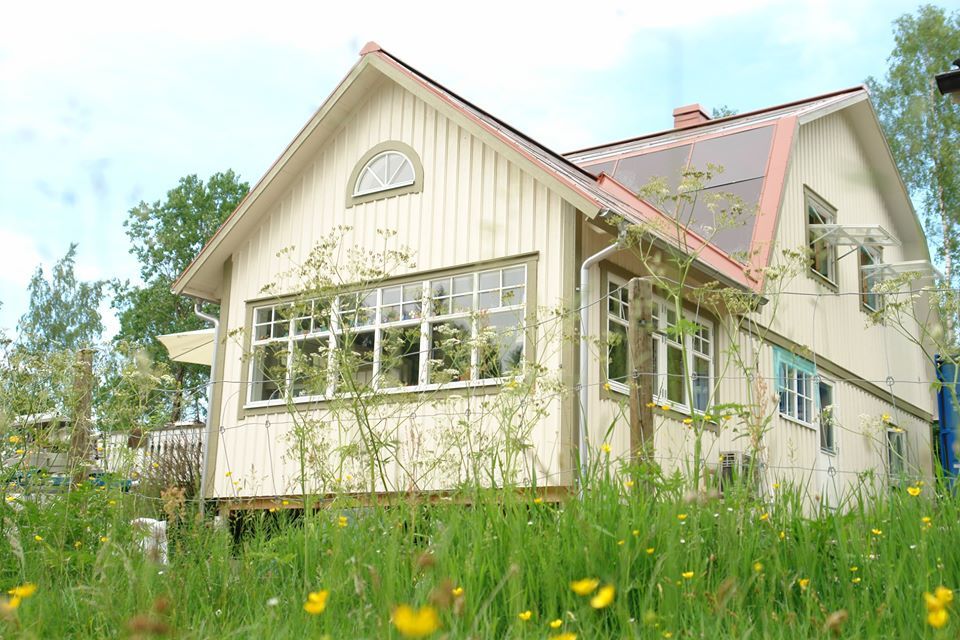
x,y
948,397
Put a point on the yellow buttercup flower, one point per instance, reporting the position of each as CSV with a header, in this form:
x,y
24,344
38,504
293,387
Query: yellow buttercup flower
x,y
316,602
914,491
28,589
556,624
758,566
104,539
9,605
584,587
943,594
605,447
566,635
538,500
938,619
856,580
228,474
665,407
38,538
764,516
525,615
687,575
651,404
628,483
650,551
285,502
804,583
14,439
604,597
342,521
606,386
926,519
457,592
876,532
418,623
687,421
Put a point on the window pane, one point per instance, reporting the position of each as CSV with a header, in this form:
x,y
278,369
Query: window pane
x,y
463,304
269,372
500,350
391,295
390,313
826,416
514,276
368,182
701,384
490,280
356,361
463,284
676,385
310,367
450,343
617,351
400,357
512,296
490,299
405,174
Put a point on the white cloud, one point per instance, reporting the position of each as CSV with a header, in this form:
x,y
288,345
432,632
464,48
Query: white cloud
x,y
20,258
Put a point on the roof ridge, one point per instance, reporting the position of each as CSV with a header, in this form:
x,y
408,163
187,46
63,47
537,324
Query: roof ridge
x,y
725,120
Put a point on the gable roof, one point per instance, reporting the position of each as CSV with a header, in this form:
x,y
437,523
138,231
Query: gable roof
x,y
596,180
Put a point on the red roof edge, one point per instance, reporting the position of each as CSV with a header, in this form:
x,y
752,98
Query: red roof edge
x,y
370,47
823,96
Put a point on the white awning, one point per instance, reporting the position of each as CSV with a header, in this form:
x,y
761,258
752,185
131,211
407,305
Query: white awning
x,y
194,347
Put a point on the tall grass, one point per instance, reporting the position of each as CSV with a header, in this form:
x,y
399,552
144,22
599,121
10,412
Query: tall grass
x,y
507,551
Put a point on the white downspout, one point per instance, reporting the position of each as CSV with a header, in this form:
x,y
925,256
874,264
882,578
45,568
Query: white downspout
x,y
585,304
213,377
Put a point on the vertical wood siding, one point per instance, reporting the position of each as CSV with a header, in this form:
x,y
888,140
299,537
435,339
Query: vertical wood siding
x,y
475,206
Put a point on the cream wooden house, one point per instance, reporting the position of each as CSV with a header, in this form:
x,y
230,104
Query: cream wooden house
x,y
500,227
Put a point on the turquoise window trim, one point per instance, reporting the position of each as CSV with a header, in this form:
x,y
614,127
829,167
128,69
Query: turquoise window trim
x,y
782,356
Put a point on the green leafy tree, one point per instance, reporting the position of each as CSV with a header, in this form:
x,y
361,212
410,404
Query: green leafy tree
x,y
63,313
165,237
923,127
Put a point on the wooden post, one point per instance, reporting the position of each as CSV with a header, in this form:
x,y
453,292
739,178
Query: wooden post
x,y
640,365
80,438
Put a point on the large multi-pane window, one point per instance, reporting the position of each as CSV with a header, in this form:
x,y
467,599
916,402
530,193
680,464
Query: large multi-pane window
x,y
823,252
673,365
454,330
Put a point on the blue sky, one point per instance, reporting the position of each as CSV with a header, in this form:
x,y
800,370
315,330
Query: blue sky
x,y
106,104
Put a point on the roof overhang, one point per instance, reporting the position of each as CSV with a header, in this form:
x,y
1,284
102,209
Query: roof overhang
x,y
191,347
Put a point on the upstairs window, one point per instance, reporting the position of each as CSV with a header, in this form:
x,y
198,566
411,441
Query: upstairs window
x,y
385,171
823,252
389,169
870,256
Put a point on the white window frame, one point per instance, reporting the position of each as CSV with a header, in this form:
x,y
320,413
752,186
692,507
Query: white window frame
x,y
896,458
795,387
868,281
699,348
827,215
823,416
377,324
390,183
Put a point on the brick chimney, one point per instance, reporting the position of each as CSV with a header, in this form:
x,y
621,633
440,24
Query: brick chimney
x,y
688,115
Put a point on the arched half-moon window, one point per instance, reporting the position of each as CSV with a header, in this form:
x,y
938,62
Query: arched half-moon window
x,y
387,170
391,168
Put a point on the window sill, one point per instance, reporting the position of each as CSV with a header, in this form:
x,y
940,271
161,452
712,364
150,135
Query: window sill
x,y
823,280
829,452
392,391
680,409
798,422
